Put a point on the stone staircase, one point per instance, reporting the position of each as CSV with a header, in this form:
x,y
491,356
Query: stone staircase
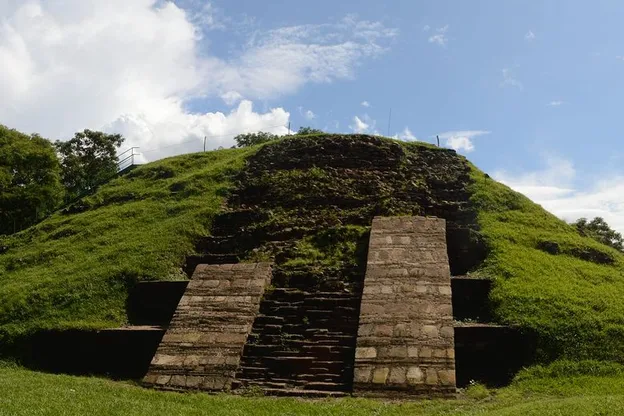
x,y
328,332
302,343
202,346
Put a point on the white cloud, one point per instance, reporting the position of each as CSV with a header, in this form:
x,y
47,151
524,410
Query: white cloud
x,y
555,103
554,188
460,143
365,104
529,36
135,64
359,126
426,28
309,115
461,140
231,97
440,37
406,135
180,132
510,80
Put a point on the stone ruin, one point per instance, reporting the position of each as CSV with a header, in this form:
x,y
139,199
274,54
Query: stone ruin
x,y
223,338
398,318
407,328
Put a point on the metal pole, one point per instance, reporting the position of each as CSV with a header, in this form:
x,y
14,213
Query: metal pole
x,y
289,127
389,120
438,137
204,143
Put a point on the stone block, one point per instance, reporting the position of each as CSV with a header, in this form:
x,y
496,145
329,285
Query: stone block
x,y
447,332
191,361
386,290
193,381
399,351
370,289
190,337
362,374
380,375
365,352
431,376
412,352
177,381
150,379
439,353
232,360
365,330
383,330
425,352
429,331
401,330
164,359
230,338
415,375
445,290
163,380
397,375
446,377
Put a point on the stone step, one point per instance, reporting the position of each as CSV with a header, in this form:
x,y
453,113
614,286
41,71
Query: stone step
x,y
304,393
193,261
283,389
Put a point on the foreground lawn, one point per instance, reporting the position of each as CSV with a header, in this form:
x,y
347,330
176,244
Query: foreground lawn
x,y
23,392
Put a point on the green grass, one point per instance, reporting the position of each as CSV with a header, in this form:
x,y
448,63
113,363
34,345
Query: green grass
x,y
73,269
574,306
24,392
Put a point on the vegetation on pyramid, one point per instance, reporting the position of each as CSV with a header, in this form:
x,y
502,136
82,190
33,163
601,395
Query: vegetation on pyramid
x,y
306,203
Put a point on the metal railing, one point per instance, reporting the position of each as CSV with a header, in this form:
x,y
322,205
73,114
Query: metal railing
x,y
125,159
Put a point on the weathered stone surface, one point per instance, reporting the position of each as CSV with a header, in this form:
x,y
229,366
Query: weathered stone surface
x,y
204,342
405,340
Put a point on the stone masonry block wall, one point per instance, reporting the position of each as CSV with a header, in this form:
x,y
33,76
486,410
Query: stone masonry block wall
x,y
405,339
205,340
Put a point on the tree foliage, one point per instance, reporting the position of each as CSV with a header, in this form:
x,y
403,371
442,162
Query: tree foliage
x,y
251,139
309,130
599,230
30,186
87,160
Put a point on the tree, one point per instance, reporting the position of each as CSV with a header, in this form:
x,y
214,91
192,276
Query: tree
x,y
251,139
30,185
87,160
309,130
599,230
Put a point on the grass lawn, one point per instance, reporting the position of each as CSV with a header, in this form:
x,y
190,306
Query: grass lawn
x,y
24,392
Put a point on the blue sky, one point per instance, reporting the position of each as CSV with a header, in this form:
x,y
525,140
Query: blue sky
x,y
529,91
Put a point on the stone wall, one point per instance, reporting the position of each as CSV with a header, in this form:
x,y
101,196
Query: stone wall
x,y
203,345
405,339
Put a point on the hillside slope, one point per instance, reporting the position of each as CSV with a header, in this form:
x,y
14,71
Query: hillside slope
x,y
306,203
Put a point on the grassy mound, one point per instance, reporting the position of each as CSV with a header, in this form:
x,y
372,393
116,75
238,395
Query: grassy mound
x,y
571,299
308,203
74,269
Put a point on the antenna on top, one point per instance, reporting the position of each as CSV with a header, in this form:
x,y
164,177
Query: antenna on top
x,y
389,120
438,137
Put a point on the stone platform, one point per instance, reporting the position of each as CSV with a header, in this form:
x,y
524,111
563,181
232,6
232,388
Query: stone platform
x,y
405,341
205,340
